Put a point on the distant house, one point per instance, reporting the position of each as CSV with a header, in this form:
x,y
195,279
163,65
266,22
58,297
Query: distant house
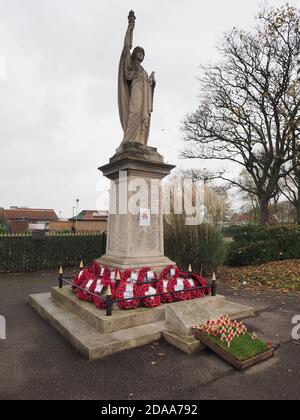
x,y
239,219
23,219
90,220
85,221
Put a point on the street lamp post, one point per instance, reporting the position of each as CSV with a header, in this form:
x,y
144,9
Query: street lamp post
x,y
76,223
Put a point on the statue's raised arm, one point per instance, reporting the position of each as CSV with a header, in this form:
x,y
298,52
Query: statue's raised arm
x,y
129,34
135,90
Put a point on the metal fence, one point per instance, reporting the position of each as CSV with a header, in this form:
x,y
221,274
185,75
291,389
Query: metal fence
x,y
109,302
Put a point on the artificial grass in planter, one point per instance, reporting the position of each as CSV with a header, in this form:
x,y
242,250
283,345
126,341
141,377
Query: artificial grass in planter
x,y
242,348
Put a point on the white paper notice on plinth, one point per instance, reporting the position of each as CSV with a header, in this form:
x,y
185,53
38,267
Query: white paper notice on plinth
x,y
145,217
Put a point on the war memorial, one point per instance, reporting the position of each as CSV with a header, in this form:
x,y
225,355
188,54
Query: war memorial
x,y
134,295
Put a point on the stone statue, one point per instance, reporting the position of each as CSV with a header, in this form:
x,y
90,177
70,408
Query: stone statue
x,y
135,91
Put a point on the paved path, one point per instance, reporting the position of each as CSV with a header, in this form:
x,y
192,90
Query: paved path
x,y
36,362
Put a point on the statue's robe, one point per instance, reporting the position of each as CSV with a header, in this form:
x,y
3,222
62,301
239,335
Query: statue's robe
x,y
135,99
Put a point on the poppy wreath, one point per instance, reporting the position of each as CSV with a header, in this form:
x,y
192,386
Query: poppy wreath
x,y
150,302
120,294
201,281
181,295
84,295
79,279
105,281
125,275
165,274
142,277
94,270
196,281
165,286
122,288
165,289
112,275
148,285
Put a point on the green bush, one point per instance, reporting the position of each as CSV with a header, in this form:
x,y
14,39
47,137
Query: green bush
x,y
261,244
231,230
21,253
202,246
3,228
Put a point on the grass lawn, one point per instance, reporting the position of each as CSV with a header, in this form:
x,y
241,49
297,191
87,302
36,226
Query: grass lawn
x,y
242,348
280,275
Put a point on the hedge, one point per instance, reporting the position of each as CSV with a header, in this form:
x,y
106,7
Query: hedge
x,y
231,230
21,253
261,244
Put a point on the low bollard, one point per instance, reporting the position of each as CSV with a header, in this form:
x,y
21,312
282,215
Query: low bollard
x,y
109,302
214,286
60,278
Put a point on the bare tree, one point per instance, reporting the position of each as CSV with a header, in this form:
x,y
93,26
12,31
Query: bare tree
x,y
250,105
249,199
283,212
290,185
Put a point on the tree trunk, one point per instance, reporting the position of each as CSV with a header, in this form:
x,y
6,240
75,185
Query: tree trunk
x,y
264,212
298,208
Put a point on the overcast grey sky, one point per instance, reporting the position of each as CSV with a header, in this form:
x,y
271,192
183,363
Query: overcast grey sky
x,y
58,103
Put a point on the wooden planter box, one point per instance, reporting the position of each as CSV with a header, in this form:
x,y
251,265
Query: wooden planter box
x,y
230,359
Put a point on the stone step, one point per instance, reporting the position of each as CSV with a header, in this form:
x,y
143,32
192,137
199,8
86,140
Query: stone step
x,y
189,345
97,318
91,343
181,317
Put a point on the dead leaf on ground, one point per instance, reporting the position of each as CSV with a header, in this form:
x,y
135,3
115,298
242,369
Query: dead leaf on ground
x,y
283,276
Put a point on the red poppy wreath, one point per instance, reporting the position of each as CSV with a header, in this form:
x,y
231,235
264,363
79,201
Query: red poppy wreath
x,y
128,290
101,285
93,271
165,286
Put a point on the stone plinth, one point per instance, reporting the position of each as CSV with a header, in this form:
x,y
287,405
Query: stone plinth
x,y
96,335
135,172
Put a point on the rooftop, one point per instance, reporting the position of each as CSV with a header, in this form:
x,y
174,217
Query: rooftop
x,y
91,215
24,213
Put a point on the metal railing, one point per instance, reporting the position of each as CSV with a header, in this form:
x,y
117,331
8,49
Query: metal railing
x,y
109,302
